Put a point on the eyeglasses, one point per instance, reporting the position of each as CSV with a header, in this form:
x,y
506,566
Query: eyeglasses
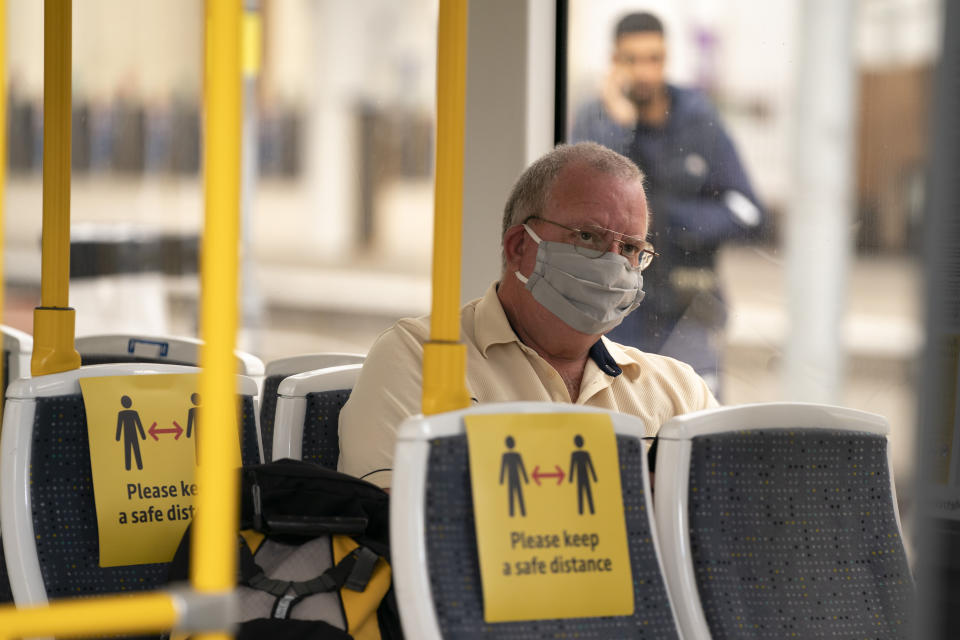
x,y
593,241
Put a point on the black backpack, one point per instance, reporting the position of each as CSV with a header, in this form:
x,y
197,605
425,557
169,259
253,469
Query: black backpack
x,y
313,556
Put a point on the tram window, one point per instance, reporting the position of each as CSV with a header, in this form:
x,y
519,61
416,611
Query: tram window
x,y
866,353
341,205
339,237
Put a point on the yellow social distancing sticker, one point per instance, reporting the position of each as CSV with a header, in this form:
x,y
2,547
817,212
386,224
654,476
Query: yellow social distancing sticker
x,y
549,516
143,434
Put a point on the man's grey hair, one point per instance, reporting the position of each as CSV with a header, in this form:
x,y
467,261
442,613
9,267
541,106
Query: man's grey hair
x,y
529,195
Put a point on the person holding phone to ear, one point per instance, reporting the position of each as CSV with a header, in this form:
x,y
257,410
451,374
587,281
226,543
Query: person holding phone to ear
x,y
698,193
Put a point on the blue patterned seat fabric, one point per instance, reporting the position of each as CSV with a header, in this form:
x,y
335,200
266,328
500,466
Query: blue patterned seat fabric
x,y
455,574
64,513
793,535
249,447
268,411
321,439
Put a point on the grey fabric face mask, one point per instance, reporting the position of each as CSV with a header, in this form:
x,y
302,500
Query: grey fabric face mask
x,y
591,295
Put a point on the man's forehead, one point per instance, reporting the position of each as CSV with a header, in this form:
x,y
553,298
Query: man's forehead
x,y
645,41
586,195
582,182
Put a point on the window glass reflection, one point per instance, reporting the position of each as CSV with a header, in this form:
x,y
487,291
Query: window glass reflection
x,y
338,212
742,64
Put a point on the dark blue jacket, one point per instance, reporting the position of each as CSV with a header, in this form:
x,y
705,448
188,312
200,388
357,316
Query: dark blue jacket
x,y
698,195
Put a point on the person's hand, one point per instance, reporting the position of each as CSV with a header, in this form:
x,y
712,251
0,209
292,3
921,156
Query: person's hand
x,y
620,108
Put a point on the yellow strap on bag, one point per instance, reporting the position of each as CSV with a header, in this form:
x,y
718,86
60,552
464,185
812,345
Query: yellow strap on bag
x,y
360,607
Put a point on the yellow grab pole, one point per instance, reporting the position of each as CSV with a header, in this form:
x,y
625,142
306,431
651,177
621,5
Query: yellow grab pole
x,y
57,42
54,320
444,357
84,617
213,545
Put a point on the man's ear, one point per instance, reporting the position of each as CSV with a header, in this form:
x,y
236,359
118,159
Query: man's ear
x,y
514,246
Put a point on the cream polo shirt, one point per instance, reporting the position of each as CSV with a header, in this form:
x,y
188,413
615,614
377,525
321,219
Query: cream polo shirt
x,y
500,368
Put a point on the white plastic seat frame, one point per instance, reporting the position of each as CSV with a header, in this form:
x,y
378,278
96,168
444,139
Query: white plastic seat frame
x,y
671,501
16,519
311,362
178,349
293,365
407,497
20,346
291,412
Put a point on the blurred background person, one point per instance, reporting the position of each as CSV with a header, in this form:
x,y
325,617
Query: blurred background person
x,y
699,193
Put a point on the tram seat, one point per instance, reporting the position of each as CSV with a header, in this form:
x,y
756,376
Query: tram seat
x,y
126,348
308,414
129,347
780,520
433,538
277,370
17,350
47,511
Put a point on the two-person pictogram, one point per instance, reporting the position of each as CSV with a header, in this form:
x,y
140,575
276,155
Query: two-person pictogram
x,y
130,428
581,468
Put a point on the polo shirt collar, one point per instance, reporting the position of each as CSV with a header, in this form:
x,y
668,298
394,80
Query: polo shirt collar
x,y
492,327
604,361
609,352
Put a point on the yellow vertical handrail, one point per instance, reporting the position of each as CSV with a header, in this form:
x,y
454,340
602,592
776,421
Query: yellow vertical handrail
x,y
57,42
213,545
54,320
444,357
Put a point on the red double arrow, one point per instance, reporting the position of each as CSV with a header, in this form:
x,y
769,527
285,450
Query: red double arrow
x,y
558,475
177,430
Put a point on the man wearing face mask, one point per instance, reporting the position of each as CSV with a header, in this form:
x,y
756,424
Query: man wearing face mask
x,y
696,186
574,249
